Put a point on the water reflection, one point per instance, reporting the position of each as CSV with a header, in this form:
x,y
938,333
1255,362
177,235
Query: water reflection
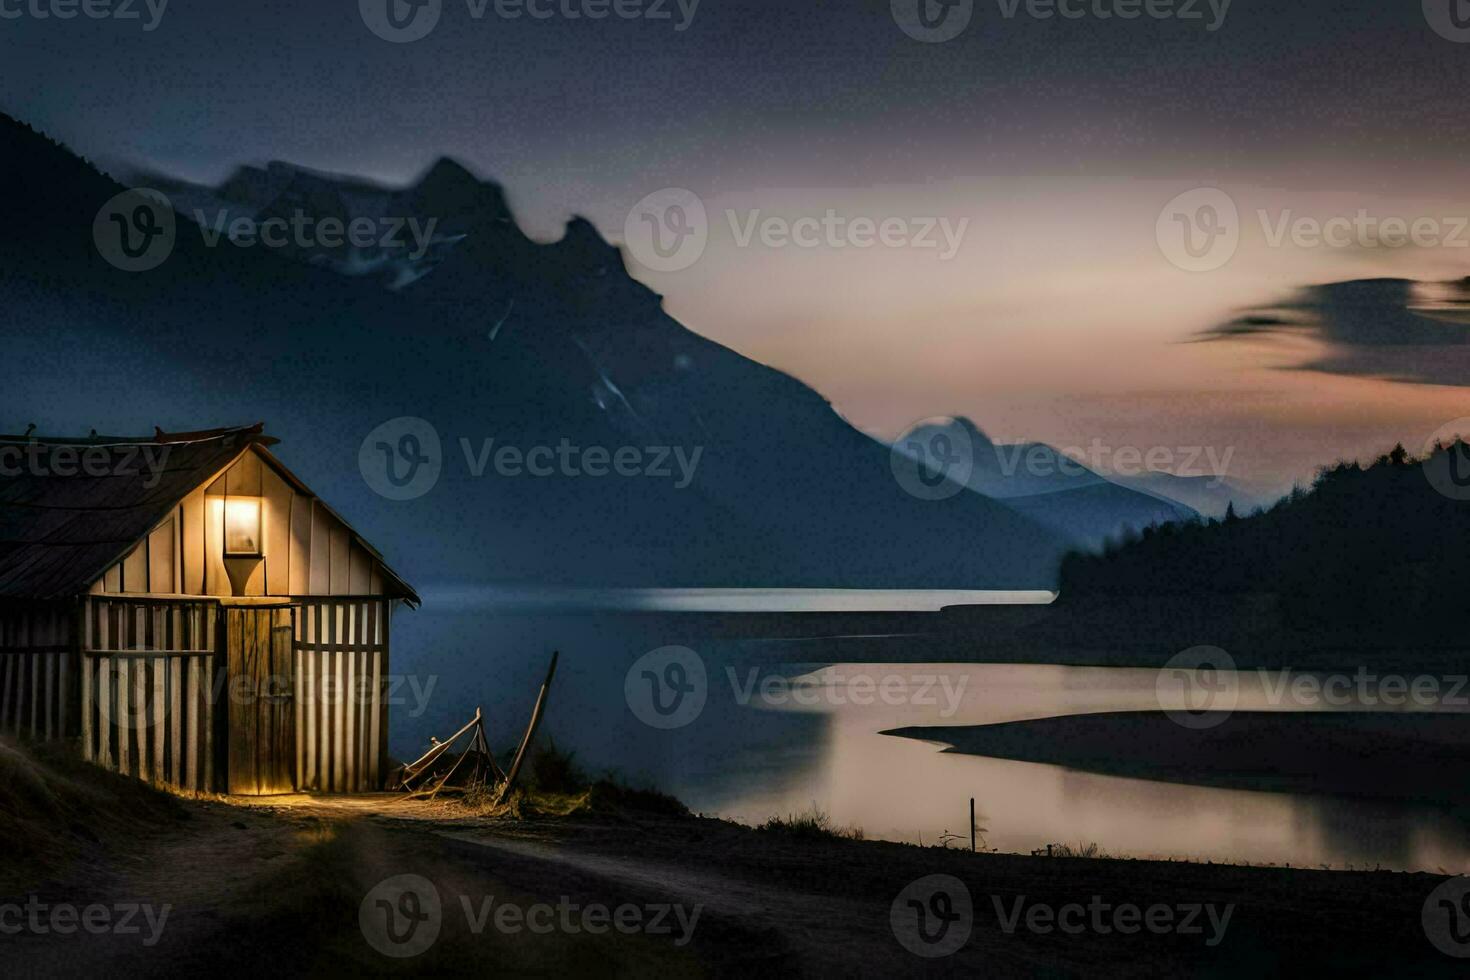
x,y
773,740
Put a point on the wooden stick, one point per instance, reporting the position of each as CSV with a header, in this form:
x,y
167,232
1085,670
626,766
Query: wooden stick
x,y
436,750
515,766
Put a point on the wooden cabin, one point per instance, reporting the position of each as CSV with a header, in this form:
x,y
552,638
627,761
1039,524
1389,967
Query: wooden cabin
x,y
192,613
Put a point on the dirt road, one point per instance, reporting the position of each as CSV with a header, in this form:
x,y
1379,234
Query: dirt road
x,y
300,886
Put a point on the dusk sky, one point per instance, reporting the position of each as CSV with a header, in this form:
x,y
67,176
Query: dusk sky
x,y
1049,148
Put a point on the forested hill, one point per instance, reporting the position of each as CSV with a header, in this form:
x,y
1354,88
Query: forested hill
x,y
1384,543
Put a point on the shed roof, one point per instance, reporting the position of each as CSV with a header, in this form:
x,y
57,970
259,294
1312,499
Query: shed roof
x,y
70,508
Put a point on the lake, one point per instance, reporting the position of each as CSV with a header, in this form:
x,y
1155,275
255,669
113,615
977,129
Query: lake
x,y
776,737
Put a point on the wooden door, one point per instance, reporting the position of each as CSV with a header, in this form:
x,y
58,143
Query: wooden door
x,y
261,756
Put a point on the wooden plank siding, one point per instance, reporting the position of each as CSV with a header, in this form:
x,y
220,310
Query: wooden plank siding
x,y
305,550
149,687
38,670
341,657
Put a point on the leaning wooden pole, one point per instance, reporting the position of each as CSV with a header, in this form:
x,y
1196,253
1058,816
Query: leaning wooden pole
x,y
536,713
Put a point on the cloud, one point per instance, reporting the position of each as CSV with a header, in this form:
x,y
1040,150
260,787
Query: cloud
x,y
1395,329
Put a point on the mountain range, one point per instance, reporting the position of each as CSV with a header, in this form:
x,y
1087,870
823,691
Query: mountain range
x,y
486,335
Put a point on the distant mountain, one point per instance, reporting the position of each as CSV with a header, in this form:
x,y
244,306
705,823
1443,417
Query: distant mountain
x,y
488,335
1057,491
1211,496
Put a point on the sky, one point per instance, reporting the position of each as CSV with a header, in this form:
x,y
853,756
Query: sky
x,y
1036,175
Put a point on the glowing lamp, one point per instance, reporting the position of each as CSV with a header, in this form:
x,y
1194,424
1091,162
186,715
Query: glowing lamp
x,y
242,527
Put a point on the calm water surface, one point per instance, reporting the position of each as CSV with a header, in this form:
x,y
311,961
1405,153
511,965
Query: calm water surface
x,y
777,739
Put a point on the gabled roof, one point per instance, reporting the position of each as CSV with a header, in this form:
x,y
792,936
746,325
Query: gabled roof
x,y
70,508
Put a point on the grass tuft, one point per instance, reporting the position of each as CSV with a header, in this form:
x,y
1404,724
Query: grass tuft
x,y
812,824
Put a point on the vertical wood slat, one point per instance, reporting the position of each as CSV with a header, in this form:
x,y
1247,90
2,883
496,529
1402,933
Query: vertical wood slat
x,y
191,767
50,696
362,694
299,706
20,682
85,667
33,661
329,694
159,720
209,669
63,690
121,687
339,704
138,716
349,702
6,722
176,719
308,669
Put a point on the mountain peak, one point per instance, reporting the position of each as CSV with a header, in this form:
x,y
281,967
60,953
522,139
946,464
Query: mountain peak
x,y
449,188
976,434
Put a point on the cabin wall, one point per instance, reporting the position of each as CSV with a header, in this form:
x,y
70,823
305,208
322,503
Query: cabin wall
x,y
150,688
305,550
155,701
341,695
39,669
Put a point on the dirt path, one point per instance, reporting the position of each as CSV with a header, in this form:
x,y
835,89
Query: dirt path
x,y
296,887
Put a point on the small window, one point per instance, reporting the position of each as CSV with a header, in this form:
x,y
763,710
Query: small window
x,y
242,527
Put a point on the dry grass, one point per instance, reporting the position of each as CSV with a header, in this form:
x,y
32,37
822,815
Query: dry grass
x,y
54,806
813,824
555,786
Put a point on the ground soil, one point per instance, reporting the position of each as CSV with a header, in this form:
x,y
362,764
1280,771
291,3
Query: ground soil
x,y
275,887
